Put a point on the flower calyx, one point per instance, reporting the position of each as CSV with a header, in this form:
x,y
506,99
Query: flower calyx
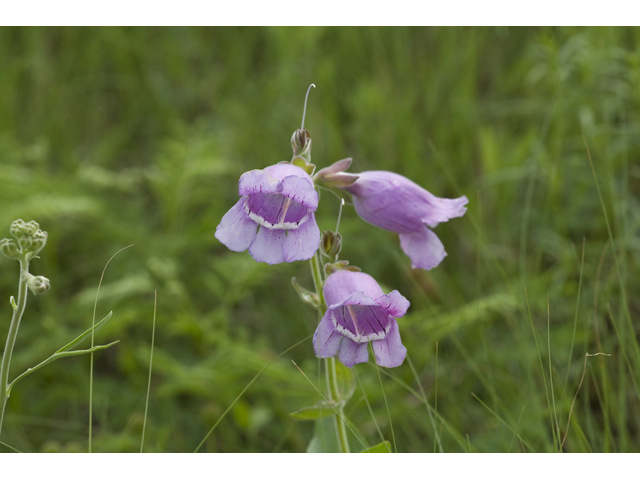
x,y
334,178
38,285
29,240
301,144
330,268
330,245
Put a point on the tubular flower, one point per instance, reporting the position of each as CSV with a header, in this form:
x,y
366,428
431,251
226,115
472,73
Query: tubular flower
x,y
275,217
358,313
395,203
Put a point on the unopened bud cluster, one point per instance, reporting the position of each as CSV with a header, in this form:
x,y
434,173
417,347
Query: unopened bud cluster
x,y
29,240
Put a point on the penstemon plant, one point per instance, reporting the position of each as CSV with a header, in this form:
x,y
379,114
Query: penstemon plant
x,y
27,243
274,219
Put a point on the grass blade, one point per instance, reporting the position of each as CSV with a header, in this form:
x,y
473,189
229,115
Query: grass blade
x,y
93,329
153,337
224,414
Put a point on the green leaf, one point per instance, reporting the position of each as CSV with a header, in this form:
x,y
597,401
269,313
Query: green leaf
x,y
305,295
56,356
383,447
346,382
313,413
325,439
85,334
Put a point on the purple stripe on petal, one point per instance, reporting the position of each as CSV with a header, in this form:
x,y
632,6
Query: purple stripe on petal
x,y
267,246
390,352
352,352
301,190
394,303
236,230
326,340
362,322
266,206
424,248
302,242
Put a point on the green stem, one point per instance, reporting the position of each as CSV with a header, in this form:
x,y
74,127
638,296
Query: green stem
x,y
18,310
330,363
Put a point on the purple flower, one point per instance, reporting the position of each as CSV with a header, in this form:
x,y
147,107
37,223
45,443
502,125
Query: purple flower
x,y
274,219
359,313
393,202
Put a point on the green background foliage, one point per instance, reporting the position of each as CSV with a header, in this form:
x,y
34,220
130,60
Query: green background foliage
x,y
118,136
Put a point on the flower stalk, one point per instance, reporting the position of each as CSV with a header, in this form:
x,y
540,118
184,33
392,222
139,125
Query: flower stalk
x,y
330,363
18,310
29,241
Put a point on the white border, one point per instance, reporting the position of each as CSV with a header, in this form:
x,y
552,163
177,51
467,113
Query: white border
x,y
315,12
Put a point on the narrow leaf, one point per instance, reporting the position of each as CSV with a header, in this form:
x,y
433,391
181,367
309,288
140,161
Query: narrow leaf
x,y
383,447
57,356
313,413
84,335
305,295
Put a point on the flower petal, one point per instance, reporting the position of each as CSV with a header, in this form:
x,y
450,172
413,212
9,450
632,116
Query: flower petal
x,y
352,352
423,247
280,171
438,210
236,230
393,202
342,284
389,351
258,181
395,304
301,190
267,246
302,243
326,340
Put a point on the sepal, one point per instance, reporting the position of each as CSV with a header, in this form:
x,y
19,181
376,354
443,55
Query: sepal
x,y
330,268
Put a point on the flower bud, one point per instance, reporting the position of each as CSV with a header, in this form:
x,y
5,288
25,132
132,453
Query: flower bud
x,y
30,228
330,245
17,228
38,285
301,143
25,243
9,248
39,241
29,238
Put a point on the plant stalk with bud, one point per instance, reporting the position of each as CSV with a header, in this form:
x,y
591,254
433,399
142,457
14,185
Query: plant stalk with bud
x,y
29,241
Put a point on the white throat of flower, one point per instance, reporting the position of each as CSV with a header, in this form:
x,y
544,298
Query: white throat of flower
x,y
281,225
358,337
